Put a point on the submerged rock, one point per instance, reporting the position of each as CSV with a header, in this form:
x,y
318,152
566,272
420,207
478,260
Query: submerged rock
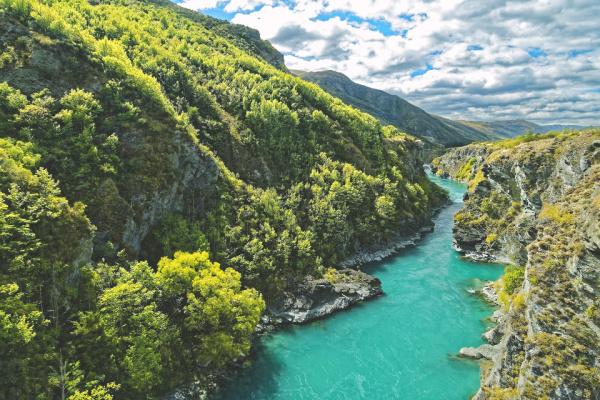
x,y
315,298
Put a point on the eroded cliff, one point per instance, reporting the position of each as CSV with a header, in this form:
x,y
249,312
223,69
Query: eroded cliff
x,y
535,204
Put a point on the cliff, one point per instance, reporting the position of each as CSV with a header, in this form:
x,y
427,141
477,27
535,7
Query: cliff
x,y
535,205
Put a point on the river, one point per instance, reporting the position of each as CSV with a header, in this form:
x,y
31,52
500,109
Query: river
x,y
401,345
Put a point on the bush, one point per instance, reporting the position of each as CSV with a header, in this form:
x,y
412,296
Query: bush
x,y
513,278
491,239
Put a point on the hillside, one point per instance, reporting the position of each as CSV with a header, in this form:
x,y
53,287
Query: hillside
x,y
393,110
533,204
160,186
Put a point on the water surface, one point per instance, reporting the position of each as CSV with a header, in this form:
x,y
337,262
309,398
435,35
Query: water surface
x,y
398,346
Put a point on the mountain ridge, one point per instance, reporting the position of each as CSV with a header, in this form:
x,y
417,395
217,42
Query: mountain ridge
x,y
393,110
390,109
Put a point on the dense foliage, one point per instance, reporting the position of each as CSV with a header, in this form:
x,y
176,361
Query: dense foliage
x,y
303,181
81,329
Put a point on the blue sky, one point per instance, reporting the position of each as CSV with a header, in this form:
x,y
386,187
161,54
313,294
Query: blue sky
x,y
462,59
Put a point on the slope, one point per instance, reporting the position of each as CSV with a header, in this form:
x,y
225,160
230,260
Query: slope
x,y
132,132
514,128
393,110
533,204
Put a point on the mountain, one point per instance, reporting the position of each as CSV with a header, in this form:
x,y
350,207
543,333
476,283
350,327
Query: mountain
x,y
514,128
162,180
393,110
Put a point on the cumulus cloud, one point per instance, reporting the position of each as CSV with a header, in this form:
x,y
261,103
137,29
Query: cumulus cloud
x,y
463,59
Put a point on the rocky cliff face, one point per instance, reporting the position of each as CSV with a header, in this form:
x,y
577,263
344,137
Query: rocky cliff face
x,y
461,163
538,205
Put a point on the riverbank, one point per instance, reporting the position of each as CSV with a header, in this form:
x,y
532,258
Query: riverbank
x,y
311,299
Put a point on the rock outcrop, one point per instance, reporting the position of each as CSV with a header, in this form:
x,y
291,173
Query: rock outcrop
x,y
461,163
315,298
537,204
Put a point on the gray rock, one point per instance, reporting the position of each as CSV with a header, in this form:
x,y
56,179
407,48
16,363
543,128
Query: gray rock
x,y
490,294
315,298
484,351
195,175
494,335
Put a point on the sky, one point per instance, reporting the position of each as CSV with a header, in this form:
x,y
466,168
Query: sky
x,y
482,60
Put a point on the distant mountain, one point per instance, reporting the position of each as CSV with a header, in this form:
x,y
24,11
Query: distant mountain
x,y
393,110
558,127
514,128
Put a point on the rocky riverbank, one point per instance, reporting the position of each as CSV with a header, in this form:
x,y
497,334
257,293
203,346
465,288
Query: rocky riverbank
x,y
378,252
536,204
313,298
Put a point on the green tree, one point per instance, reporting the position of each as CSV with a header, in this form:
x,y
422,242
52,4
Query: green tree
x,y
219,315
178,234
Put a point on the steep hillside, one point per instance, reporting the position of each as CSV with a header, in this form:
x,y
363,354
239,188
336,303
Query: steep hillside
x,y
243,37
138,131
534,205
393,110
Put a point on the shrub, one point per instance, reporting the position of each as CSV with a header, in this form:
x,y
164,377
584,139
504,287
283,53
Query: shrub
x,y
466,172
556,214
491,239
479,177
513,278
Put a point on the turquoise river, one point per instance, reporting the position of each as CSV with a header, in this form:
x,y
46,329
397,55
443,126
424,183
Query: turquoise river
x,y
401,345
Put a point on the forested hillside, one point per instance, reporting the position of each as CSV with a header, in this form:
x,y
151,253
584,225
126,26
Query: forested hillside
x,y
158,185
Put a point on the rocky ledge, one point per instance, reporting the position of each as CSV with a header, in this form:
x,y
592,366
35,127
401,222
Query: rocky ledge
x,y
486,351
315,298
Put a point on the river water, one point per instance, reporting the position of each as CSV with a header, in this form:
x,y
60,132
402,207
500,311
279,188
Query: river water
x,y
401,345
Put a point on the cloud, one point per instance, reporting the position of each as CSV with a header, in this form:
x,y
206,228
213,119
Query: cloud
x,y
244,5
201,4
536,59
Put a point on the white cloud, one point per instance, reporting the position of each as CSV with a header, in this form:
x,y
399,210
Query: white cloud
x,y
201,4
480,51
244,5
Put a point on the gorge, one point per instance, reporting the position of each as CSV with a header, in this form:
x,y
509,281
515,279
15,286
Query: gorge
x,y
168,190
402,344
